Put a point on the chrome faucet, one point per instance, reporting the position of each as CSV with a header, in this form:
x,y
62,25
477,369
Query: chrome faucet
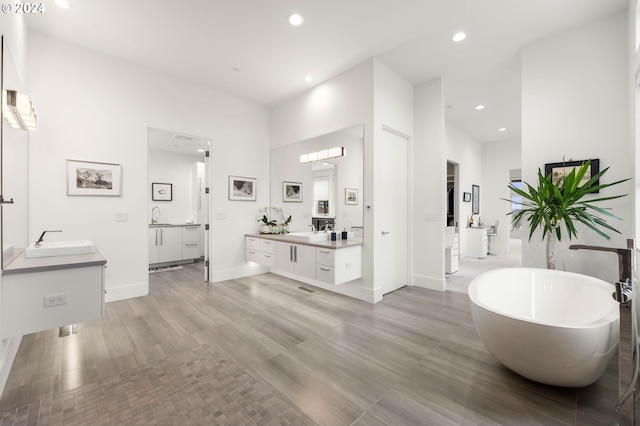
x,y
37,243
313,229
625,257
154,220
327,227
628,356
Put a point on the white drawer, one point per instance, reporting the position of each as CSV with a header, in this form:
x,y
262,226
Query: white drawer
x,y
251,243
324,256
268,259
252,256
267,246
325,274
190,234
190,251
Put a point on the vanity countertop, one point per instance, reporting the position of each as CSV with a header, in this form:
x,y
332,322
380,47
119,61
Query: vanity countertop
x,y
286,238
166,225
22,264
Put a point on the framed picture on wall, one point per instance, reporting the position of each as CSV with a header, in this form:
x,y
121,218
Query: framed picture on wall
x,y
466,197
242,188
475,199
350,196
292,192
162,192
92,178
559,170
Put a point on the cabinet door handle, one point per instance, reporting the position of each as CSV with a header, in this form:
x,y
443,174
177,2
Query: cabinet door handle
x,y
268,256
290,253
324,251
161,236
191,244
267,242
156,237
295,254
325,269
252,252
385,232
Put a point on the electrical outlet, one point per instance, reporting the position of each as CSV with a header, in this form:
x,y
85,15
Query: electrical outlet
x,y
55,300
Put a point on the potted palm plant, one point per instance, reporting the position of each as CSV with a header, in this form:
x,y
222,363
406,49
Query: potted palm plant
x,y
555,206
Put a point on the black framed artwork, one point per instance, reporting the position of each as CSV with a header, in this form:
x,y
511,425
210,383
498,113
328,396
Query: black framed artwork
x,y
559,170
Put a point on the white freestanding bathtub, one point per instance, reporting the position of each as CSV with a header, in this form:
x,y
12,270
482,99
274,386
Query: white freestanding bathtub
x,y
553,327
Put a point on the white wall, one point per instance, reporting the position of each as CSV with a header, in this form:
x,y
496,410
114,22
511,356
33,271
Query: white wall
x,y
429,186
93,107
575,105
178,170
467,152
498,158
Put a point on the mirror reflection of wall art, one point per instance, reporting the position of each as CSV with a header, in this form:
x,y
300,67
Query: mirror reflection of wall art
x,y
161,191
292,192
242,188
92,178
350,196
475,199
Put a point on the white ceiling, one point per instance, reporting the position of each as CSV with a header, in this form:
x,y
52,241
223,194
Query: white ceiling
x,y
204,40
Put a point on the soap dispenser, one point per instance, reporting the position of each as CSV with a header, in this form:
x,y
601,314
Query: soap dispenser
x,y
344,233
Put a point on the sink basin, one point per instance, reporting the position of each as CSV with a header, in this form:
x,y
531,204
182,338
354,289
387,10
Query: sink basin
x,y
309,236
60,248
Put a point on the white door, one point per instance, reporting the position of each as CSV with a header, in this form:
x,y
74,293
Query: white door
x,y
392,211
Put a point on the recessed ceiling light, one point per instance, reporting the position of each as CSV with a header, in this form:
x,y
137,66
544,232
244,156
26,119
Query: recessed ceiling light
x,y
308,78
459,36
63,4
502,129
479,107
200,150
295,19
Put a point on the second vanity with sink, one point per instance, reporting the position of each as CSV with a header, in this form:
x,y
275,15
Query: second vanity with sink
x,y
308,257
173,243
53,289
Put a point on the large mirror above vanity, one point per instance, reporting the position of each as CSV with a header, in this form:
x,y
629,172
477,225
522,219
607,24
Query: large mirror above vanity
x,y
14,154
319,181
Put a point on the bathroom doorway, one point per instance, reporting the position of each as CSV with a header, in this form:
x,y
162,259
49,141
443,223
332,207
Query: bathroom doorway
x,y
179,170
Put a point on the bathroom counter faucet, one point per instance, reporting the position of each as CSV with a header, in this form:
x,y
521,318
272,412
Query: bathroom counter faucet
x,y
37,243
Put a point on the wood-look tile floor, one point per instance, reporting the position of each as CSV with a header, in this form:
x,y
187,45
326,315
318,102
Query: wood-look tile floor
x,y
261,351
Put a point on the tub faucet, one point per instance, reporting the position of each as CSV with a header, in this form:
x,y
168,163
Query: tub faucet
x,y
625,257
628,356
37,243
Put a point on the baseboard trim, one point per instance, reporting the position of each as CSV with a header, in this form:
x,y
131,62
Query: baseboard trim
x,y
431,283
353,288
232,274
7,361
113,294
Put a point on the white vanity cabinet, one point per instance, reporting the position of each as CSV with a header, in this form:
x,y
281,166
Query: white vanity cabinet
x,y
320,264
165,244
337,266
478,242
190,242
260,251
173,244
44,293
297,259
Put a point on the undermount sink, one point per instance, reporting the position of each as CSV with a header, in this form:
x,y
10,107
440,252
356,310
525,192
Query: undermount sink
x,y
310,236
60,248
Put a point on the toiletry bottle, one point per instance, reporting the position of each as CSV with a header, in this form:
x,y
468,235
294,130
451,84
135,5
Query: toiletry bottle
x,y
344,233
333,236
471,220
